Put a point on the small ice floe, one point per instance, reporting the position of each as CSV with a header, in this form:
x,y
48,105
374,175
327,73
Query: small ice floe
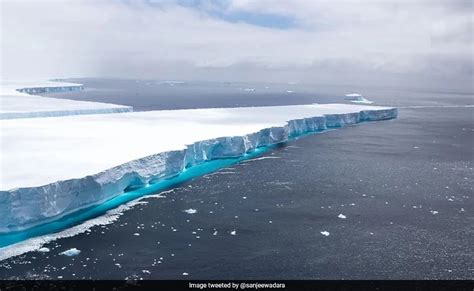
x,y
185,274
43,250
146,272
215,232
234,232
190,211
434,212
342,216
270,221
244,197
357,98
136,234
325,233
71,252
289,91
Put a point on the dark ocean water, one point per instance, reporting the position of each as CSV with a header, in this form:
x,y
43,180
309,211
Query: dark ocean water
x,y
404,186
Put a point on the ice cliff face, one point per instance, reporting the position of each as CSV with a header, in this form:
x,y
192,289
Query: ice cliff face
x,y
52,89
56,113
26,207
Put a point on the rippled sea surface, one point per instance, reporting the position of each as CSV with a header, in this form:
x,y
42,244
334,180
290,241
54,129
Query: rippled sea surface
x,y
380,200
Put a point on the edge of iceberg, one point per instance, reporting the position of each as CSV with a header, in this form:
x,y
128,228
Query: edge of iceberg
x,y
53,87
24,208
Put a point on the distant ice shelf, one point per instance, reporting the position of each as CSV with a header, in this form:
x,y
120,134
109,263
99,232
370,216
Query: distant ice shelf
x,y
51,167
17,101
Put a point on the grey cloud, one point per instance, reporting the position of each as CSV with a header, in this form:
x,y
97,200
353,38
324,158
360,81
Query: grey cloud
x,y
347,41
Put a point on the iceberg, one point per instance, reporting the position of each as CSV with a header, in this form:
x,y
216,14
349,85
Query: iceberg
x,y
357,98
17,100
52,167
71,252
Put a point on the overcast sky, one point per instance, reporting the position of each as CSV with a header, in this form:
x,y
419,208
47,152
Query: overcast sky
x,y
416,42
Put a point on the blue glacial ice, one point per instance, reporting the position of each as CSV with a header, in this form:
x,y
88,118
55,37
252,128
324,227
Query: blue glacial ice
x,y
24,208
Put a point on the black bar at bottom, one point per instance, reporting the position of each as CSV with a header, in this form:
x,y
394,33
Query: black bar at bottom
x,y
197,285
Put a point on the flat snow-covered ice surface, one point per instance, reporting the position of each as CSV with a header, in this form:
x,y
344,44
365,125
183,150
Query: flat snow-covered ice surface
x,y
51,167
15,104
41,151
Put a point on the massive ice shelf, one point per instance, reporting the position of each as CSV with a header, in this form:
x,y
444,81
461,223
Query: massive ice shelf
x,y
54,166
16,101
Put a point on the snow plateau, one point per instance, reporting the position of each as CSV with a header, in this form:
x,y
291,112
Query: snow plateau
x,y
51,167
17,101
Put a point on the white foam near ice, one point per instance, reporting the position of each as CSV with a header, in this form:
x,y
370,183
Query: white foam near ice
x,y
53,166
16,101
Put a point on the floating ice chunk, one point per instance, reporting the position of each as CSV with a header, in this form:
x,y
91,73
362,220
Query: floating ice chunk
x,y
190,211
341,216
136,234
71,252
357,98
325,233
185,274
43,250
234,232
434,212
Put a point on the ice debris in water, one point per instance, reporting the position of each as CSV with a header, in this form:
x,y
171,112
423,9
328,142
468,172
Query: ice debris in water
x,y
71,252
325,233
233,232
434,212
190,211
43,250
342,216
